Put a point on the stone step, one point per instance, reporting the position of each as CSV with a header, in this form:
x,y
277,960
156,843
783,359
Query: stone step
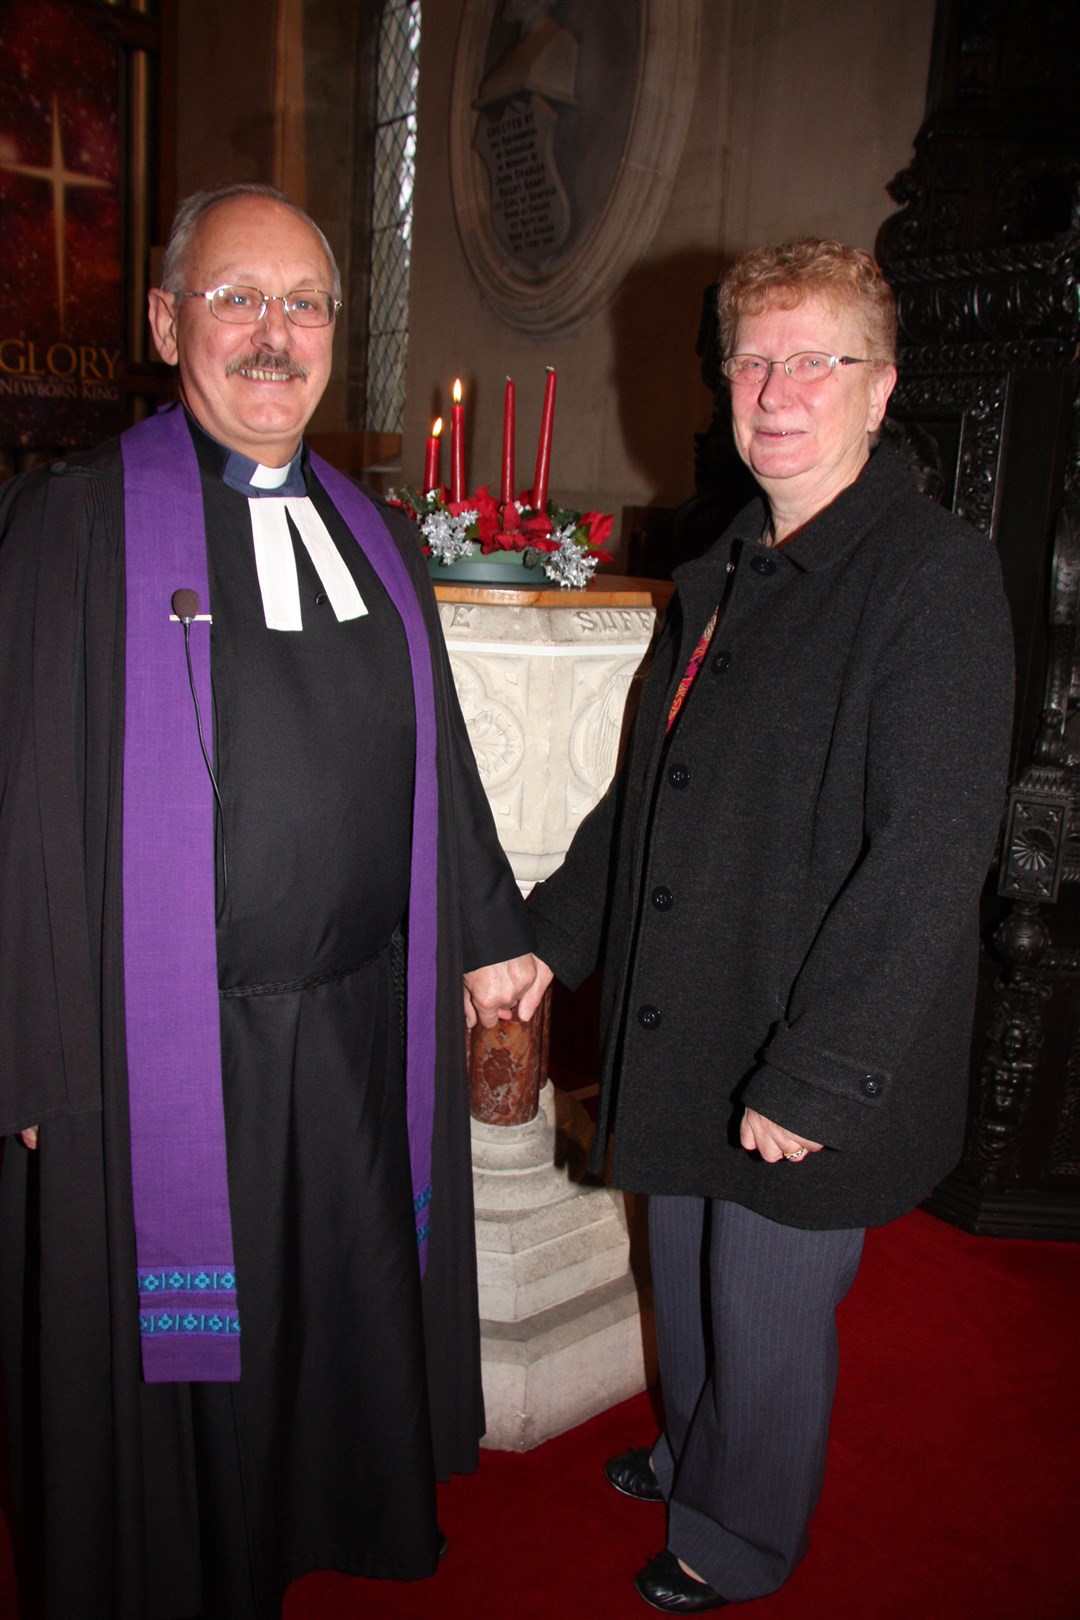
x,y
549,1373
519,1284
510,1230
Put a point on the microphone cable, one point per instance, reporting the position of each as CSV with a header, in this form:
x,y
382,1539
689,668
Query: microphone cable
x,y
185,604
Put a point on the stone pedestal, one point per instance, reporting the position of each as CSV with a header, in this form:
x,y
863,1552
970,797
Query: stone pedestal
x,y
562,1331
543,679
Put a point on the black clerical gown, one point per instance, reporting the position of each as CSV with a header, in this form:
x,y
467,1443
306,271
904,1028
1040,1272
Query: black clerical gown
x,y
154,1502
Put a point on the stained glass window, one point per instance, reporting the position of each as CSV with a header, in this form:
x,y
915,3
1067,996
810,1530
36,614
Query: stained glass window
x,y
392,213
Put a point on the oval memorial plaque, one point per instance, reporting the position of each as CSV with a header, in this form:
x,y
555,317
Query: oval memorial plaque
x,y
567,124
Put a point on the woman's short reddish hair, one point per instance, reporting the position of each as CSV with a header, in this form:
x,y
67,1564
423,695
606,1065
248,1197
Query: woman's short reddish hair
x,y
783,276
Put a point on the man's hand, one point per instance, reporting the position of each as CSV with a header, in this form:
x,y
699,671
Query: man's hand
x,y
494,992
772,1141
29,1136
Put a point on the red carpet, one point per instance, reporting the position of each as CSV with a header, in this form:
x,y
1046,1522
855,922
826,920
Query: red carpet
x,y
953,1483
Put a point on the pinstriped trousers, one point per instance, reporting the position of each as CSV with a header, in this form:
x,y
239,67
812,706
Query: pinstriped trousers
x,y
746,1332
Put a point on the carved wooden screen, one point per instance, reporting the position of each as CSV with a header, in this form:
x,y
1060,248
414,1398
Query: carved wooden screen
x,y
985,261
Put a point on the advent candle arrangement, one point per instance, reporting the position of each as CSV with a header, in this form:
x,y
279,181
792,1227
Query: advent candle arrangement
x,y
527,528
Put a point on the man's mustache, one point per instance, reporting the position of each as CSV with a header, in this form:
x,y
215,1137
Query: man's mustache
x,y
283,363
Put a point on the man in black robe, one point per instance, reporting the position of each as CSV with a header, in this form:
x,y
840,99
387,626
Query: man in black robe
x,y
144,1494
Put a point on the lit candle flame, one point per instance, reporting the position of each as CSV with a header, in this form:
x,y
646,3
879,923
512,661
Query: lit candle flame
x,y
457,390
436,427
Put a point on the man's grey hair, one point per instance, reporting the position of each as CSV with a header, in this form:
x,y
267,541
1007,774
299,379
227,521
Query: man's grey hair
x,y
199,204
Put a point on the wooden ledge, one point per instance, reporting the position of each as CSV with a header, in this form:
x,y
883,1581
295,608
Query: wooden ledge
x,y
603,590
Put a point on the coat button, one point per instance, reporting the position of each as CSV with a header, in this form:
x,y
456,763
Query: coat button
x,y
679,775
721,661
870,1086
648,1016
662,898
763,565
321,598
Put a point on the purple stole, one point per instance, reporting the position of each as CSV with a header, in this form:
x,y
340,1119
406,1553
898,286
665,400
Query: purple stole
x,y
188,1288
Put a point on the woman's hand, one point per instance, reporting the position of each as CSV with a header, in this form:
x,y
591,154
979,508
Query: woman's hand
x,y
772,1141
532,998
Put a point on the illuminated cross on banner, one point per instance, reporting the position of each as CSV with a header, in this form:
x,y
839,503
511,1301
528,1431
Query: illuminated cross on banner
x,y
60,178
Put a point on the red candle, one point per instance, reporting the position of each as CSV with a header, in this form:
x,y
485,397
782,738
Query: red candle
x,y
543,452
431,464
507,491
457,445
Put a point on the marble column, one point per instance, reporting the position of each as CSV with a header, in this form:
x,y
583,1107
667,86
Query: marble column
x,y
543,678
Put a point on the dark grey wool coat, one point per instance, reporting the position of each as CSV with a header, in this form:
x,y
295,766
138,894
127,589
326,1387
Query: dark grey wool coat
x,y
784,897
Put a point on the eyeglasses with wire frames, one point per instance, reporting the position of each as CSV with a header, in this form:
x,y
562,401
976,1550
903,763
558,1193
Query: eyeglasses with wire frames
x,y
810,366
243,306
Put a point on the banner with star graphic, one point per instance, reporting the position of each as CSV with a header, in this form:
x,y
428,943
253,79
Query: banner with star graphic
x,y
61,279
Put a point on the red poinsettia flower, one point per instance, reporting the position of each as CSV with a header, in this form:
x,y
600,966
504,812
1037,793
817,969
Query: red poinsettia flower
x,y
483,503
537,527
599,526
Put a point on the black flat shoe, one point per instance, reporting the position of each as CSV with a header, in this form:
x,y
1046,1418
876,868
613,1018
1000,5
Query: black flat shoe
x,y
631,1474
444,1545
667,1586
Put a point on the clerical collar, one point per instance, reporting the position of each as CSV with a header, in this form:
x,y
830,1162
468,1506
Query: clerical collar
x,y
251,478
239,472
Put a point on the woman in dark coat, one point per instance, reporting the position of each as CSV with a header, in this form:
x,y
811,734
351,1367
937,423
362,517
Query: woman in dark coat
x,y
782,885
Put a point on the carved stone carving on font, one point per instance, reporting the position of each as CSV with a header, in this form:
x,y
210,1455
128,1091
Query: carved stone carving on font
x,y
495,730
601,690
